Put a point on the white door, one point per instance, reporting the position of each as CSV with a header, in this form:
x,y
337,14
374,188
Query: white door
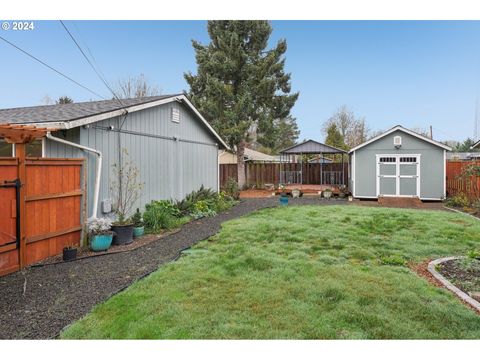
x,y
398,175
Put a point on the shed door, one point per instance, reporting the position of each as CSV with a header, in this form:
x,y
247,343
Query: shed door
x,y
398,175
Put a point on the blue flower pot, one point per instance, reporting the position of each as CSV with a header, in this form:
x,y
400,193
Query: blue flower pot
x,y
101,242
138,231
283,200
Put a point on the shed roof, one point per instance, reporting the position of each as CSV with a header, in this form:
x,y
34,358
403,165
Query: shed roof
x,y
312,147
407,131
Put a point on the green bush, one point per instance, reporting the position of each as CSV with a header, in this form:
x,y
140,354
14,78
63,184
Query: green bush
x,y
161,215
186,205
231,188
459,200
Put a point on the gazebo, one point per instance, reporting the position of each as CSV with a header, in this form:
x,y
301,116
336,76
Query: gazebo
x,y
304,166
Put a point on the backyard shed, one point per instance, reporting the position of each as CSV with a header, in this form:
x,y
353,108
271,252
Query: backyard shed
x,y
167,139
399,163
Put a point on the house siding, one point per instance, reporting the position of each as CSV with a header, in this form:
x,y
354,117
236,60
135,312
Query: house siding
x,y
431,165
169,168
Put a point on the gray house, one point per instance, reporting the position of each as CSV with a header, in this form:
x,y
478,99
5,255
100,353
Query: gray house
x,y
399,163
172,145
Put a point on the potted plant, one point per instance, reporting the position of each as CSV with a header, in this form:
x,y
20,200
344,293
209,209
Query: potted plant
x,y
296,193
327,193
343,191
126,191
69,253
100,234
138,226
283,195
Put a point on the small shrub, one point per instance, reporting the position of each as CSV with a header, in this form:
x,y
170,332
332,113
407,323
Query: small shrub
x,y
395,260
137,219
459,200
231,188
186,205
160,215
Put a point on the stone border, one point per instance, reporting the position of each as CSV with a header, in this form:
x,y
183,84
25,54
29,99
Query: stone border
x,y
465,297
461,212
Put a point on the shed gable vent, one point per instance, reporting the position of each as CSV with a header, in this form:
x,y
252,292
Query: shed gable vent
x,y
397,141
175,115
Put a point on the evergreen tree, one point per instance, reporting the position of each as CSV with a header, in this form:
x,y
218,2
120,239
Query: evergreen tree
x,y
239,83
281,134
64,100
465,146
335,138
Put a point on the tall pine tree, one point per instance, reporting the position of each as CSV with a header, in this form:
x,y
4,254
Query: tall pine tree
x,y
239,83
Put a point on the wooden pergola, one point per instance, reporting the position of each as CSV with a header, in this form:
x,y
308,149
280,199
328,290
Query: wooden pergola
x,y
20,135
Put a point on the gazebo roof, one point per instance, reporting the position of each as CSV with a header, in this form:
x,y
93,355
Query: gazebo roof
x,y
312,147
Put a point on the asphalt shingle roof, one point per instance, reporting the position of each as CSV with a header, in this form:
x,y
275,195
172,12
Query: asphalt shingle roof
x,y
69,112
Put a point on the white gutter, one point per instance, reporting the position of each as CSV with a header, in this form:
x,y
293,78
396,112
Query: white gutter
x,y
98,168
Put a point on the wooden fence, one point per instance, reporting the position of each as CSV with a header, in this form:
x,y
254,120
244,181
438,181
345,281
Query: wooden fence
x,y
259,174
457,185
41,207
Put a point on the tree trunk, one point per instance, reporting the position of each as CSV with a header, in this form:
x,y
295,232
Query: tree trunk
x,y
241,164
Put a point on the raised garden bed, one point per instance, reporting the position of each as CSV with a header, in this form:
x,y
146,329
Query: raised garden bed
x,y
464,273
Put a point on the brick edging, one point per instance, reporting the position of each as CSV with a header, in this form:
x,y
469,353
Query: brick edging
x,y
464,296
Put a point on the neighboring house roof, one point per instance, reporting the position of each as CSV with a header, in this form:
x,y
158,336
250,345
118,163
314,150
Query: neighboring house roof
x,y
68,116
476,145
407,131
229,157
320,160
253,155
463,155
312,147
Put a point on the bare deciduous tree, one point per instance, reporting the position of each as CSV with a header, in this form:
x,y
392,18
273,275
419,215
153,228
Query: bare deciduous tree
x,y
136,87
354,130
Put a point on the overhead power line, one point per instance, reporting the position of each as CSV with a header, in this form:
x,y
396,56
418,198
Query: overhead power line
x,y
105,82
51,68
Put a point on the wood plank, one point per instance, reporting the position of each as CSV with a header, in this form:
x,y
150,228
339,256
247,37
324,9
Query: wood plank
x,y
54,196
36,238
9,247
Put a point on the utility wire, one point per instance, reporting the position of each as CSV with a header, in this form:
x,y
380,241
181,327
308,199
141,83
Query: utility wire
x,y
51,68
91,65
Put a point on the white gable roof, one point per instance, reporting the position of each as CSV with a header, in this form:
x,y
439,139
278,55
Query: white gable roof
x,y
407,131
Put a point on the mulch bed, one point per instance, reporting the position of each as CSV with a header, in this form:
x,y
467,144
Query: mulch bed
x,y
85,252
256,193
467,280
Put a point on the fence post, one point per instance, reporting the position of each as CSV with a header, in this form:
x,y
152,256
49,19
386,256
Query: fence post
x,y
22,174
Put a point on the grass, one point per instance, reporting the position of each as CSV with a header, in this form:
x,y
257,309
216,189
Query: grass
x,y
312,272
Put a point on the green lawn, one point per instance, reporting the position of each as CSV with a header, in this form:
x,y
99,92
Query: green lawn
x,y
312,272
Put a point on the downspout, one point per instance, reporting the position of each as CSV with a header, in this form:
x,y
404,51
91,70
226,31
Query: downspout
x,y
98,168
218,168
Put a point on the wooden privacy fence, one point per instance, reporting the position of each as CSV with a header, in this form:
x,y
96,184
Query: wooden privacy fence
x,y
259,174
41,209
457,185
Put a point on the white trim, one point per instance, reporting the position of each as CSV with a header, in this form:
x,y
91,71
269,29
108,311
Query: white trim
x,y
401,128
398,175
353,174
444,174
44,147
119,112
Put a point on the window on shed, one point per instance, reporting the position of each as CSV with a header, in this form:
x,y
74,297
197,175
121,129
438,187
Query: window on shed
x,y
6,149
387,159
408,159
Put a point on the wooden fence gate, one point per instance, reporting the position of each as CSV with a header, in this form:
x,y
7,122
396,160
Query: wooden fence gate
x,y
41,209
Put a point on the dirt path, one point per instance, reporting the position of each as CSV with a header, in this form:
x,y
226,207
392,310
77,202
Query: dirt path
x,y
38,302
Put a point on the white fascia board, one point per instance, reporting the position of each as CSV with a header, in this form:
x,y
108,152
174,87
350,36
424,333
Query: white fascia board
x,y
401,128
119,112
